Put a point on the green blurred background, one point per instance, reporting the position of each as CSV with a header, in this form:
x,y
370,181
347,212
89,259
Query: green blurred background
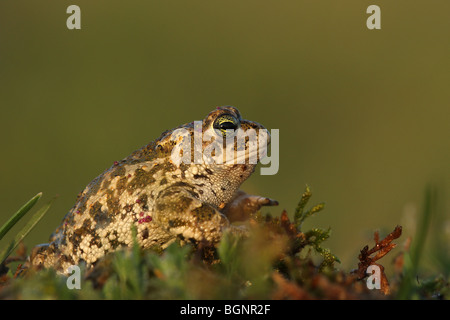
x,y
363,114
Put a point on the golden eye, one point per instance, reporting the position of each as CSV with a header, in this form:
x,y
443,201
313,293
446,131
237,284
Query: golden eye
x,y
225,122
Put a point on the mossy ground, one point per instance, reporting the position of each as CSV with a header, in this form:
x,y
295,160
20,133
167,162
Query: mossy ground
x,y
278,260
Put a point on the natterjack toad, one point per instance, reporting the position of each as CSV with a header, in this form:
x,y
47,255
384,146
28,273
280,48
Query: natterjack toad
x,y
167,192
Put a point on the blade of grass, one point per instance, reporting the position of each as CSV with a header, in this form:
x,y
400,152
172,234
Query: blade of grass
x,y
412,259
18,215
25,230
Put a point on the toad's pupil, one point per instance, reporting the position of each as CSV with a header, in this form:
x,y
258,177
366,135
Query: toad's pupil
x,y
227,125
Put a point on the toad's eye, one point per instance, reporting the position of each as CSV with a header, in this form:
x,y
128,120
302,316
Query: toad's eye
x,y
225,122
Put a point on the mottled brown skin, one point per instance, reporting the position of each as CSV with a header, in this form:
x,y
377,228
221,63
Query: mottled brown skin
x,y
164,201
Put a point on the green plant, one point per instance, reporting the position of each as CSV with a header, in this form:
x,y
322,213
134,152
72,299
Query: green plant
x,y
6,252
278,260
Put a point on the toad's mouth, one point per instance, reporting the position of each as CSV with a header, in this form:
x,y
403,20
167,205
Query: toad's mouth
x,y
248,156
239,151
251,154
239,147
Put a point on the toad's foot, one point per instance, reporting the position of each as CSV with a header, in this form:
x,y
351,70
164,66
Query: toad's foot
x,y
243,205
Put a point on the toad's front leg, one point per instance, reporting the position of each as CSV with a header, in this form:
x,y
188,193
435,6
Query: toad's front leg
x,y
184,216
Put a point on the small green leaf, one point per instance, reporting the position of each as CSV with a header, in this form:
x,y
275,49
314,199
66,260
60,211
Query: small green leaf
x,y
18,215
298,215
312,211
328,258
317,236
